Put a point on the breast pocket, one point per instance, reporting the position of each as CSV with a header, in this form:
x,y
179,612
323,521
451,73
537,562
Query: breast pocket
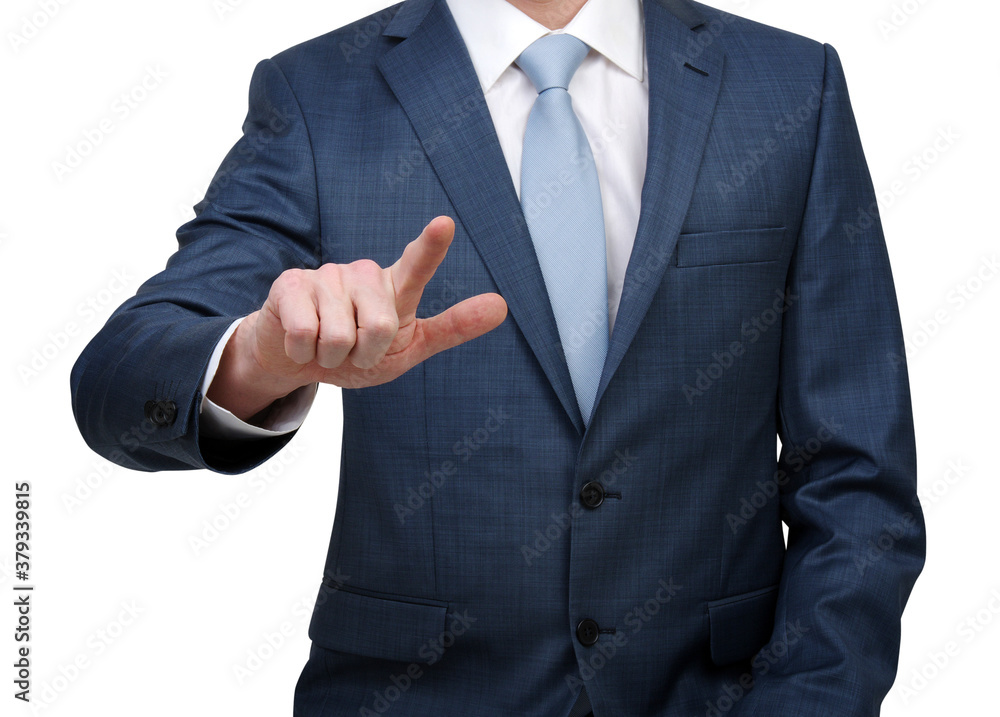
x,y
737,246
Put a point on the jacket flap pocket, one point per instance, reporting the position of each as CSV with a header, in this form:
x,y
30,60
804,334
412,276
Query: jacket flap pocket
x,y
742,624
394,627
729,247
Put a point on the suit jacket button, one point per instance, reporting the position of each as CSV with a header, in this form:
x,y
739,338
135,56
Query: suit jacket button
x,y
160,413
587,632
592,495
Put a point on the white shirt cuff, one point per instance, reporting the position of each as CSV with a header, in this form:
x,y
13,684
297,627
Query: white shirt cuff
x,y
285,416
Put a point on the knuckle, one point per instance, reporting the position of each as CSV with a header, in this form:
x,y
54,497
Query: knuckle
x,y
384,326
337,337
289,281
329,272
366,268
300,333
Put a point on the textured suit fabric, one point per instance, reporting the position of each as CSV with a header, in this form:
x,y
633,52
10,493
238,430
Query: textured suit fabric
x,y
758,301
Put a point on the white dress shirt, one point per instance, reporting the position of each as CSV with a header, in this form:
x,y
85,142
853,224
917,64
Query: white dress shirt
x,y
610,94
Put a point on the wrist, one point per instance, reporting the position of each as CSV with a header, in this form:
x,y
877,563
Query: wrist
x,y
241,384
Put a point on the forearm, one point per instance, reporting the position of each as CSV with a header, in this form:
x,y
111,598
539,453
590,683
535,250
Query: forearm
x,y
157,345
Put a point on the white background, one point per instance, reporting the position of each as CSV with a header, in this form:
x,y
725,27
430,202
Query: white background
x,y
105,537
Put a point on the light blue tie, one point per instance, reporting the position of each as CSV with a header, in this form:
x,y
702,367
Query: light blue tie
x,y
561,200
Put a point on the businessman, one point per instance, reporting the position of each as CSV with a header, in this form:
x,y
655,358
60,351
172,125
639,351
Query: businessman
x,y
575,265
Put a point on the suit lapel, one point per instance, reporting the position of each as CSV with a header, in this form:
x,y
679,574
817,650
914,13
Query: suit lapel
x,y
433,78
684,80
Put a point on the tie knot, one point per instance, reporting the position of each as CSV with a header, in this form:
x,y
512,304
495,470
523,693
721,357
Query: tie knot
x,y
551,61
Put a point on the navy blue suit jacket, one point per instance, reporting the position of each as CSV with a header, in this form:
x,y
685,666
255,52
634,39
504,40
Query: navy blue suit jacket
x,y
758,301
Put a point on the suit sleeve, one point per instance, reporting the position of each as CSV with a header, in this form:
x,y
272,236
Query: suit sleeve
x,y
856,531
136,388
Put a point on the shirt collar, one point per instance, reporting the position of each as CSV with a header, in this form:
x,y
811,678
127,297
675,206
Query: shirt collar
x,y
496,33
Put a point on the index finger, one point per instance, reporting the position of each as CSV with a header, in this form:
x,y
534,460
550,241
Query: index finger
x,y
416,266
